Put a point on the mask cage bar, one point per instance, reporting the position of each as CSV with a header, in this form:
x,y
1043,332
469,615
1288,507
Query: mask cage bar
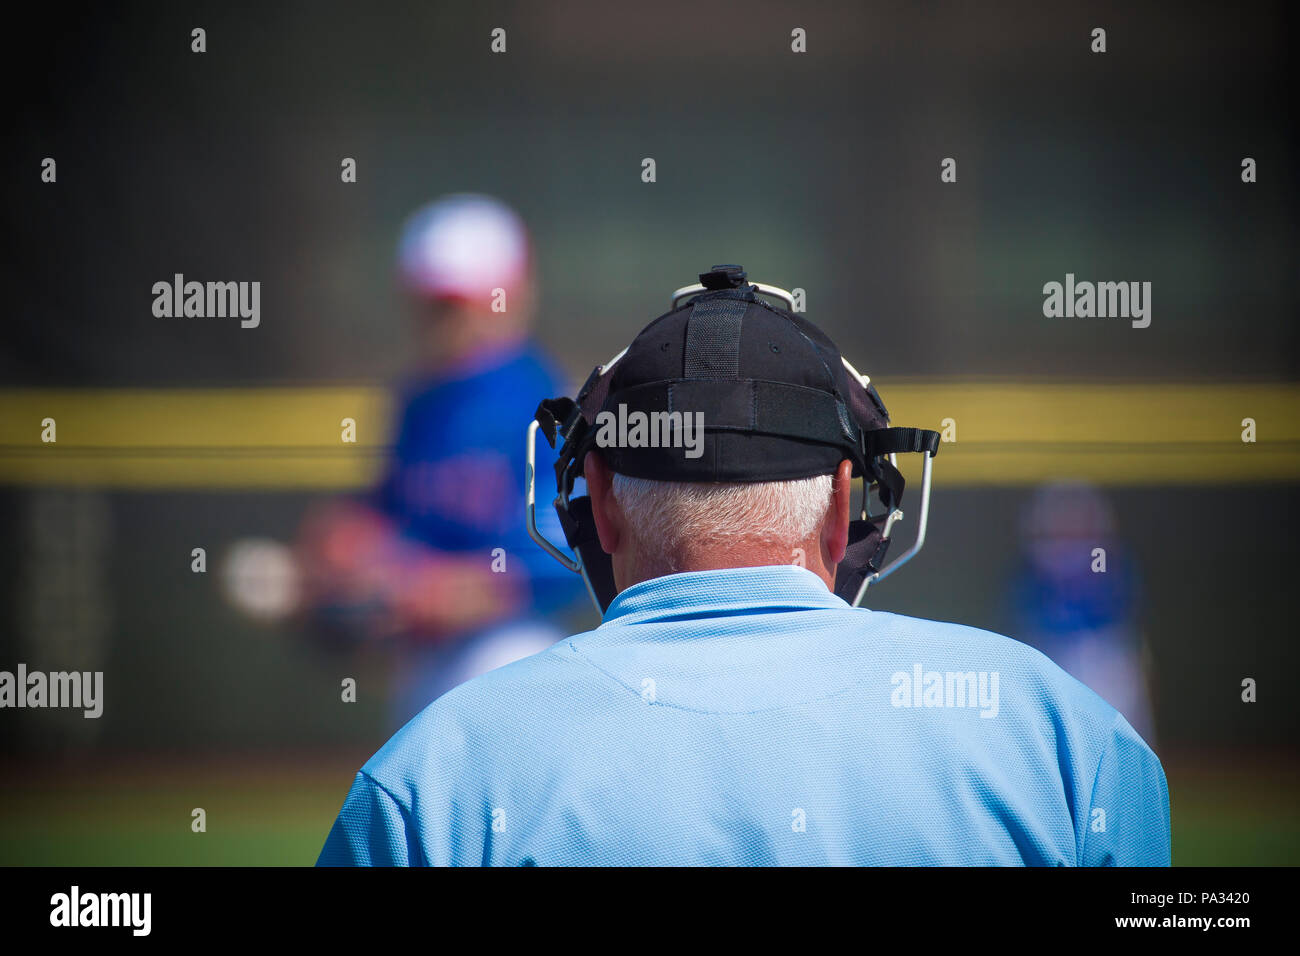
x,y
561,499
530,503
530,515
916,546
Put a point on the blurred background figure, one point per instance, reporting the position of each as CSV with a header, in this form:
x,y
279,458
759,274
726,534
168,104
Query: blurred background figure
x,y
436,557
1075,597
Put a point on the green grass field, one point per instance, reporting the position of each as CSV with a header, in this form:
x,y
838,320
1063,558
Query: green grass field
x,y
264,812
259,813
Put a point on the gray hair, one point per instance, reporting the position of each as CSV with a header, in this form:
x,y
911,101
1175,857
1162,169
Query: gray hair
x,y
667,516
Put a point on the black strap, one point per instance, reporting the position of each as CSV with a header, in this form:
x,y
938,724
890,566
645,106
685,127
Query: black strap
x,y
713,336
756,405
888,441
580,531
594,391
892,483
553,414
864,555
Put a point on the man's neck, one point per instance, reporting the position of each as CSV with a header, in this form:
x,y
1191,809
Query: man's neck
x,y
745,554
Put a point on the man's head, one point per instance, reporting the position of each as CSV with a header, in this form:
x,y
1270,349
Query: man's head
x,y
464,264
651,528
727,434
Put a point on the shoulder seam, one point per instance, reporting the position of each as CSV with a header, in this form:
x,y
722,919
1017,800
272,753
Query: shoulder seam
x,y
403,808
1096,776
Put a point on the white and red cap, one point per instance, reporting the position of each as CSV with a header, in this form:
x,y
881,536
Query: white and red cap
x,y
462,247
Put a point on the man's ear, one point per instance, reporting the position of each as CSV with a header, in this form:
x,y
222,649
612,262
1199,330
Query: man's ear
x,y
835,529
604,509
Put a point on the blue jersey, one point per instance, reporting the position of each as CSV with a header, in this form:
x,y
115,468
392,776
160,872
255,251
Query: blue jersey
x,y
456,481
748,716
1058,600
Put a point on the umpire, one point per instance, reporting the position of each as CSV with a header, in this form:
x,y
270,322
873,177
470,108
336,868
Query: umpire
x,y
734,706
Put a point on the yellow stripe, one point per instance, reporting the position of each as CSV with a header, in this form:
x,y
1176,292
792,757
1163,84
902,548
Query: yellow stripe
x,y
202,438
1006,434
1023,433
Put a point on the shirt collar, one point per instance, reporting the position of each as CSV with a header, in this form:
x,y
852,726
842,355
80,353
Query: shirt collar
x,y
724,592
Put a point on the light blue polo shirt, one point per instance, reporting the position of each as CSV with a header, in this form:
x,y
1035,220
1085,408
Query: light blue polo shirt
x,y
750,717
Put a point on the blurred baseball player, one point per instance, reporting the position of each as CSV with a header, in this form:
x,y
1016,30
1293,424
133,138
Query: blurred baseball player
x,y
735,706
434,556
1079,606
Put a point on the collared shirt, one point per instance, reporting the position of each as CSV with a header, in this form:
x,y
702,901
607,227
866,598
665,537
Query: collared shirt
x,y
748,716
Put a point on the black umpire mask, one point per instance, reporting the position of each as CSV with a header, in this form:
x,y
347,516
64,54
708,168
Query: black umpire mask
x,y
775,401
